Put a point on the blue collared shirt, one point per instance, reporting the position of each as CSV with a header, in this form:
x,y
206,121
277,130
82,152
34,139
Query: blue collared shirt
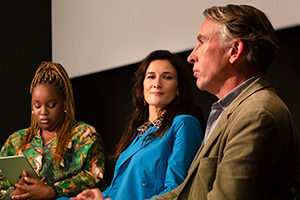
x,y
218,108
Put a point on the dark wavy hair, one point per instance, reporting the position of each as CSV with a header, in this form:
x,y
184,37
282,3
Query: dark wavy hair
x,y
182,104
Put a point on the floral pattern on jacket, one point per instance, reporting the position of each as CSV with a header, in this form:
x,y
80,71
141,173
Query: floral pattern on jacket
x,y
82,166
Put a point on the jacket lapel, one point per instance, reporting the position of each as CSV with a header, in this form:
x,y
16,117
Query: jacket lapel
x,y
260,83
206,148
136,145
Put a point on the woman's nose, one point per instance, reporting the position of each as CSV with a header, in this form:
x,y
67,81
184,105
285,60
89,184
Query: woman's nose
x,y
157,86
157,83
44,110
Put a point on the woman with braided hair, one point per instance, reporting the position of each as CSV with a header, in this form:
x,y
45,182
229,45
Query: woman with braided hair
x,y
66,154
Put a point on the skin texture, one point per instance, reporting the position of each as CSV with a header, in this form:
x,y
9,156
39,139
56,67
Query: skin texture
x,y
215,64
29,188
48,109
160,86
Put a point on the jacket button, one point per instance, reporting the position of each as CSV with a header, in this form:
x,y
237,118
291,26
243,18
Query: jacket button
x,y
144,184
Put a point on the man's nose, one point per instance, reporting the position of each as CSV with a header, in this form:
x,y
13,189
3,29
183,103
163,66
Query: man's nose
x,y
191,58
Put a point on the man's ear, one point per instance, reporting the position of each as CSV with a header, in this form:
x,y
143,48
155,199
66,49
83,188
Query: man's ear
x,y
236,50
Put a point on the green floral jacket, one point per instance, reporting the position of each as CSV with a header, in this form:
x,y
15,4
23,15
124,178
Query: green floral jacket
x,y
82,166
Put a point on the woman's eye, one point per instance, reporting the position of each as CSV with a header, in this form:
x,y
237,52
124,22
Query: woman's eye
x,y
168,77
150,77
37,105
52,105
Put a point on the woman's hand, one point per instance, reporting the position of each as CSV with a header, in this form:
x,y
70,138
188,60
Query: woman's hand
x,y
33,189
18,191
90,194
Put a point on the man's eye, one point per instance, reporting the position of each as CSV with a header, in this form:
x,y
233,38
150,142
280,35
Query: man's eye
x,y
200,42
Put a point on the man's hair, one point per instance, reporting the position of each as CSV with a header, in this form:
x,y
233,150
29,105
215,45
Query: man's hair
x,y
251,26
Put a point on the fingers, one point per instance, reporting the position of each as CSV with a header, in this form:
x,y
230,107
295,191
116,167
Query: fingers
x,y
30,180
25,173
84,195
43,180
34,190
20,196
89,194
22,187
18,191
97,194
34,181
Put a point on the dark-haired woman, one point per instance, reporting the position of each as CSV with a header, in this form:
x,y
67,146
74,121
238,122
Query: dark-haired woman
x,y
67,155
156,150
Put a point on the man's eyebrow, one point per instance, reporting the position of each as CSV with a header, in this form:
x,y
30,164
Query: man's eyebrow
x,y
201,37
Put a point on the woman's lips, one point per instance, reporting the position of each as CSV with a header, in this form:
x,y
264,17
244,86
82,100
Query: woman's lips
x,y
156,93
44,121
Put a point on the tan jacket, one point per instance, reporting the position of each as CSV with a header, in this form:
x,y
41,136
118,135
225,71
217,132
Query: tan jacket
x,y
251,154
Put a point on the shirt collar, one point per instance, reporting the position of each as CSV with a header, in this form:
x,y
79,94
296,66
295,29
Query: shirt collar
x,y
227,99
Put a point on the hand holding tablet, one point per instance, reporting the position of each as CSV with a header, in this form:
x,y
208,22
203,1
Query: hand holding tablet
x,y
13,166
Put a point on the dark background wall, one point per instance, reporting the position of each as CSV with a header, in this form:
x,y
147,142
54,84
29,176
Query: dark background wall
x,y
25,41
102,99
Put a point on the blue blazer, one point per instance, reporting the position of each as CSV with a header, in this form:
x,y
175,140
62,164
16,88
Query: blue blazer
x,y
147,169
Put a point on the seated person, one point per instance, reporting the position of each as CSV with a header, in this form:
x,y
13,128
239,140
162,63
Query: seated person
x,y
157,148
67,155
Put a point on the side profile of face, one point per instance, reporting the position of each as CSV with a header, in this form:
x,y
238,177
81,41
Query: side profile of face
x,y
160,84
48,107
210,59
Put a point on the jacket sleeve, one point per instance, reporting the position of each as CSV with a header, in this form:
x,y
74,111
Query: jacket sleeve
x,y
5,186
92,173
188,138
253,154
104,193
9,149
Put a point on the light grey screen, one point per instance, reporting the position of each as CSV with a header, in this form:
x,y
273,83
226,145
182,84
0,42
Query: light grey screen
x,y
89,36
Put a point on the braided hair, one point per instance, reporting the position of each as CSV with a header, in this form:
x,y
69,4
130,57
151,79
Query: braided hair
x,y
55,75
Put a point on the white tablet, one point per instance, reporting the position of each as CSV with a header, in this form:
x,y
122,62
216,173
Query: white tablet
x,y
13,166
